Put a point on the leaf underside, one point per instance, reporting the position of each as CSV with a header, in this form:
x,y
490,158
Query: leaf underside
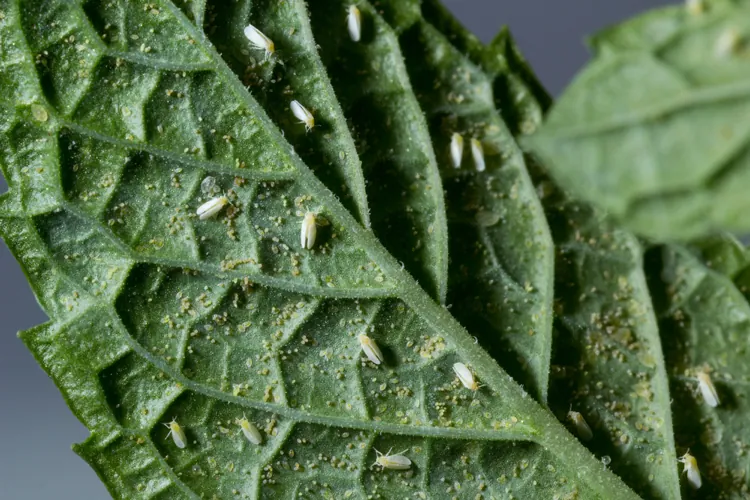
x,y
703,317
112,116
702,314
607,360
501,271
402,184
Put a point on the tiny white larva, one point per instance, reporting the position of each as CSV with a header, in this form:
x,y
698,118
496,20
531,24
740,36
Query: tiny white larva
x,y
211,207
178,435
309,231
354,23
251,432
582,427
371,349
477,152
707,388
303,115
457,149
388,461
691,469
259,40
465,376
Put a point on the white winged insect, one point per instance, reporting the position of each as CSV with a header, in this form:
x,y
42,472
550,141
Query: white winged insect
x,y
371,349
728,43
477,152
582,427
251,432
691,469
354,22
707,388
259,40
178,435
396,462
457,149
211,207
465,376
309,231
695,7
303,115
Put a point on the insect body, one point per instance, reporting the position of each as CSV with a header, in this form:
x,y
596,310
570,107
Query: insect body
x,y
211,207
308,231
477,152
695,7
457,149
708,390
582,427
388,461
728,43
303,115
371,349
178,435
251,432
691,469
354,23
465,376
259,40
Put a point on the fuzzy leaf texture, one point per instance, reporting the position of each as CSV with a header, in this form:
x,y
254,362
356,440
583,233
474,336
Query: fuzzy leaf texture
x,y
501,268
112,117
654,130
607,354
701,296
403,187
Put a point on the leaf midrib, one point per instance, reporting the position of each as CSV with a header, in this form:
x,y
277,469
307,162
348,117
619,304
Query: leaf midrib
x,y
294,414
413,295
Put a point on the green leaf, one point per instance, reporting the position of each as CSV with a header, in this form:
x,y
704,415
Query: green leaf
x,y
704,322
157,315
403,181
501,270
723,253
608,361
607,358
653,131
701,321
695,308
521,98
396,157
654,28
294,73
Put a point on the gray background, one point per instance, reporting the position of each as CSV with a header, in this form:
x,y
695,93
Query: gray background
x,y
37,429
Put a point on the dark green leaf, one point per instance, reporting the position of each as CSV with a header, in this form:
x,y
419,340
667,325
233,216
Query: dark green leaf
x,y
395,157
294,73
607,361
403,183
722,253
156,315
520,97
705,326
500,284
